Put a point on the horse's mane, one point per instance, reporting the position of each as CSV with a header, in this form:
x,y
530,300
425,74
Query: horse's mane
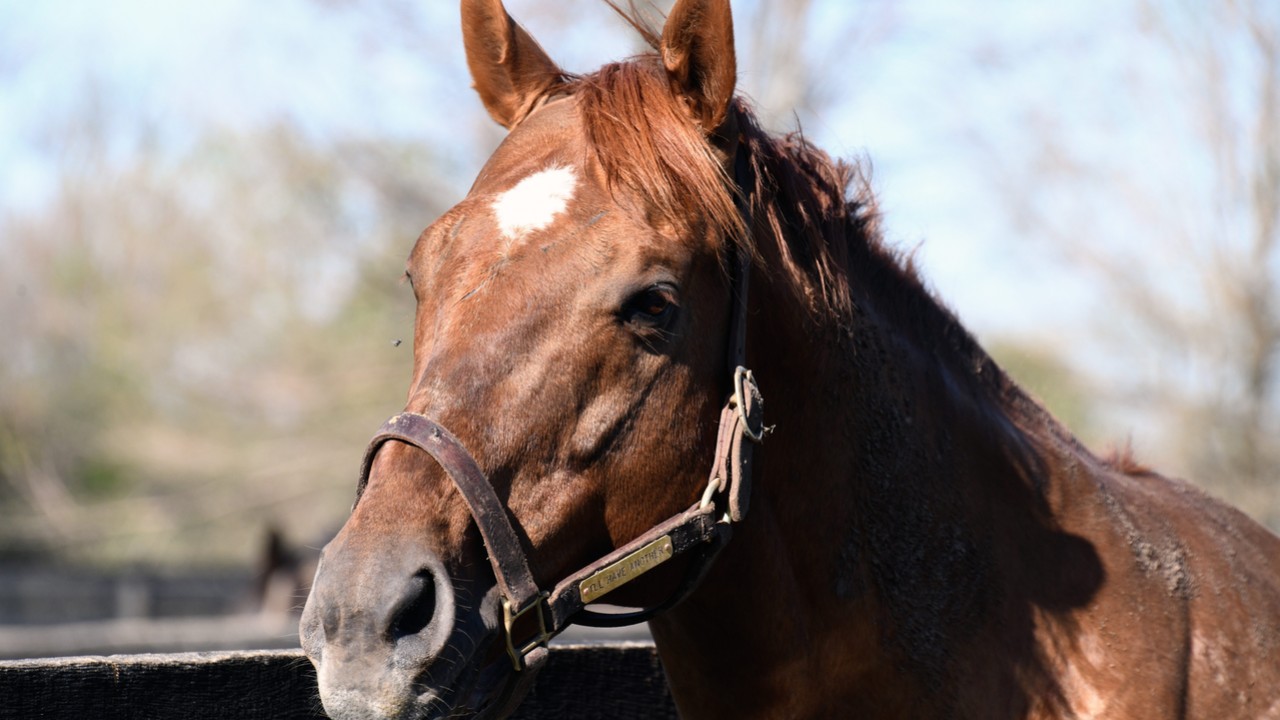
x,y
822,210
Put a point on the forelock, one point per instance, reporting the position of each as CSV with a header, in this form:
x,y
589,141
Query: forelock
x,y
648,145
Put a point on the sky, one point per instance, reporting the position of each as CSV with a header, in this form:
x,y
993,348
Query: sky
x,y
178,68
912,101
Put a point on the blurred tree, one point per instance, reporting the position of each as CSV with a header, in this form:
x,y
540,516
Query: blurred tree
x,y
1044,371
1185,250
199,341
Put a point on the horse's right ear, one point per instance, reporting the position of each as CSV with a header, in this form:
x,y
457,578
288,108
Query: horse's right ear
x,y
508,68
697,50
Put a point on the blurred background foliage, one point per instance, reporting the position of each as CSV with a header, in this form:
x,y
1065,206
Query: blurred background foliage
x,y
199,315
195,343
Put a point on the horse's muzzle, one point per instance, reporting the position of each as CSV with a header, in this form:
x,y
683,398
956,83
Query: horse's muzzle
x,y
388,639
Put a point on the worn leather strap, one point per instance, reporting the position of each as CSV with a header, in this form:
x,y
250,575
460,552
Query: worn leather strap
x,y
701,530
500,539
697,531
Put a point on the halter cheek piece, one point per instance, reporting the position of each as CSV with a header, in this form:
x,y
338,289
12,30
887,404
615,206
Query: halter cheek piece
x,y
532,617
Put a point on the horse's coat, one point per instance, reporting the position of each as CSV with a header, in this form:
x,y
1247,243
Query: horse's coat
x,y
924,540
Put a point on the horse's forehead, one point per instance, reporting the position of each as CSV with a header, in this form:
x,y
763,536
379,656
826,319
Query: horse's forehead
x,y
551,136
537,176
541,188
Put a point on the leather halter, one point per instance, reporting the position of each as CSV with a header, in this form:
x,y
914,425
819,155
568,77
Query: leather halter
x,y
700,531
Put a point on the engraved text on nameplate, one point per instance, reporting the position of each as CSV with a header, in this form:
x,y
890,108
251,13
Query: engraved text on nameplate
x,y
626,569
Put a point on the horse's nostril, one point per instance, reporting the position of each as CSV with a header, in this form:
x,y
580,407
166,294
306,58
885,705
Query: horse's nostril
x,y
417,606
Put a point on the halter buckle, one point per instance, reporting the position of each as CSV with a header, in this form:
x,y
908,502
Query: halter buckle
x,y
744,384
509,620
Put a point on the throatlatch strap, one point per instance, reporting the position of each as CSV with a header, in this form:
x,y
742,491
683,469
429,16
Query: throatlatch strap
x,y
696,530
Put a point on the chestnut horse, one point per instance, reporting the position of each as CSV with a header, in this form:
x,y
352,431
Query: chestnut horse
x,y
915,538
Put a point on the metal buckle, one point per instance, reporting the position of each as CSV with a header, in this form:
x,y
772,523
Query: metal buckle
x,y
713,486
509,620
741,378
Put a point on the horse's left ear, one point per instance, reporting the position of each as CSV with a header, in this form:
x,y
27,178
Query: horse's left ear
x,y
697,50
510,71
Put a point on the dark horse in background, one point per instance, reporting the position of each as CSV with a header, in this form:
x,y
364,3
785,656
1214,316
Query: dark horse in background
x,y
922,540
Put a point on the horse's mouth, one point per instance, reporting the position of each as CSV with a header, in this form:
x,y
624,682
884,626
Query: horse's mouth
x,y
465,675
481,693
470,694
472,678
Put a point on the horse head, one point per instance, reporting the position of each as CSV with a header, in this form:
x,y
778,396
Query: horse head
x,y
573,352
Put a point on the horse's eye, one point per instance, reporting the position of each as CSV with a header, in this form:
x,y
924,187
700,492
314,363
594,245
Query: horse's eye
x,y
653,307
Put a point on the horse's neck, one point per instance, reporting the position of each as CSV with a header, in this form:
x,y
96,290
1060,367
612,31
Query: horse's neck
x,y
867,560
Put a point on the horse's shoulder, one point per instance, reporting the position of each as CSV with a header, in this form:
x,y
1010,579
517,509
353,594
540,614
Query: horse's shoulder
x,y
1178,512
1190,587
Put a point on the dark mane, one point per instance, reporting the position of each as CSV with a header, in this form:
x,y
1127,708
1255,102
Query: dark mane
x,y
821,210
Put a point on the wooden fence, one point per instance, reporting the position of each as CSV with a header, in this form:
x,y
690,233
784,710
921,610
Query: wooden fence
x,y
64,611
45,595
580,682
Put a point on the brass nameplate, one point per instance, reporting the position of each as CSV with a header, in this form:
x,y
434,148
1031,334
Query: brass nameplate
x,y
625,570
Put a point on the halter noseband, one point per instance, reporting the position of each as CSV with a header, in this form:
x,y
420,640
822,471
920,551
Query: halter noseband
x,y
700,531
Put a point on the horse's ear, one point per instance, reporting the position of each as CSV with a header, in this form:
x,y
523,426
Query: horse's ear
x,y
508,68
697,50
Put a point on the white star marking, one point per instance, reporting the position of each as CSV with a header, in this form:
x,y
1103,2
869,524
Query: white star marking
x,y
535,201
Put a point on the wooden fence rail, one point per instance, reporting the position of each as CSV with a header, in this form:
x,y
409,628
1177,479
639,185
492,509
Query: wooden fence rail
x,y
43,595
587,682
